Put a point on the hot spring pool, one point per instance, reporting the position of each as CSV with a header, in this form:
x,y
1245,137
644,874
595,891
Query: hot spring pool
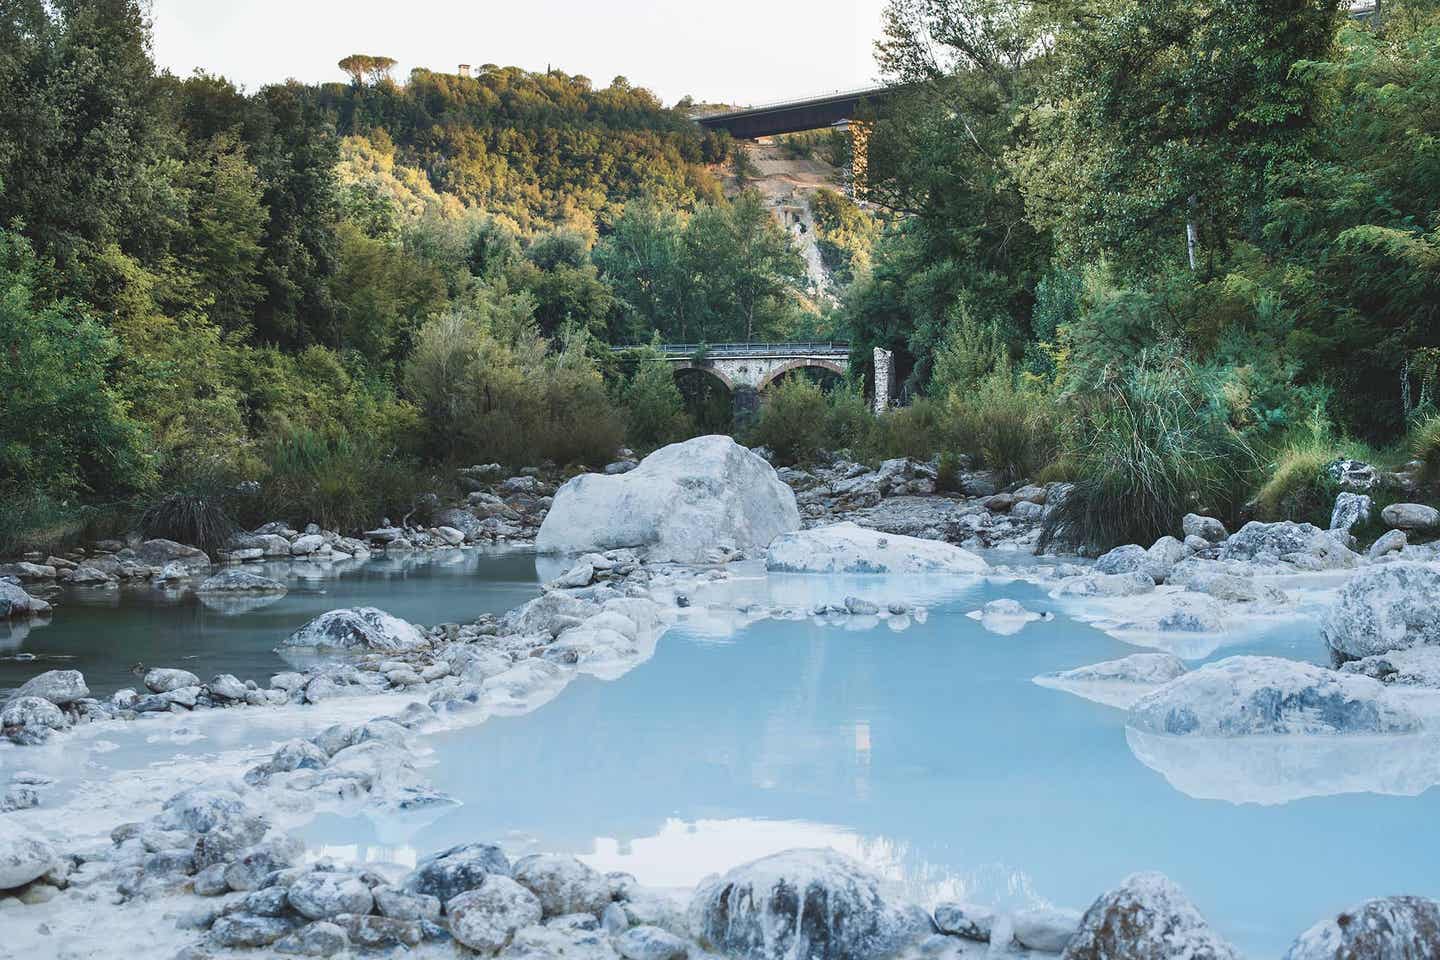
x,y
929,754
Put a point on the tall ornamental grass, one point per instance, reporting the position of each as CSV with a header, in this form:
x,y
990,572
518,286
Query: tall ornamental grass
x,y
1150,446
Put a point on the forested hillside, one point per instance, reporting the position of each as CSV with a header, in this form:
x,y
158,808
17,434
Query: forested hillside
x,y
1181,253
319,290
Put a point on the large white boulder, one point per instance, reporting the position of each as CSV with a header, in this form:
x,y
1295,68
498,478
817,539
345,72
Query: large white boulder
x,y
355,628
1394,606
848,548
1146,918
681,503
816,904
1243,696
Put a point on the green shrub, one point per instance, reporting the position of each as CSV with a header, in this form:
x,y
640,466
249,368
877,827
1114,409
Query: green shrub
x,y
947,476
849,424
38,522
792,421
1013,430
341,483
1298,486
654,408
918,431
1150,446
490,392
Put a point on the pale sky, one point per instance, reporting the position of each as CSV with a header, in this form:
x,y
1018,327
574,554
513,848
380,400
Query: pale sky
x,y
733,51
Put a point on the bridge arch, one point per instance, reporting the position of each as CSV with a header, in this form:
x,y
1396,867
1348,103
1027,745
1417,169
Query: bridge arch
x,y
813,363
713,371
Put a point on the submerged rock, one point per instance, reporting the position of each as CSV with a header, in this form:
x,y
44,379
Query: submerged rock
x,y
356,629
680,503
1117,683
240,581
848,548
816,904
1005,617
1388,607
1146,918
158,553
1243,696
1390,928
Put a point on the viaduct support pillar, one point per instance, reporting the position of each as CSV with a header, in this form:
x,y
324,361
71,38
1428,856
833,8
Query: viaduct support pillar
x,y
884,378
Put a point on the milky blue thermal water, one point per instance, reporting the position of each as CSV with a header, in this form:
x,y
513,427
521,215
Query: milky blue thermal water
x,y
928,753
105,633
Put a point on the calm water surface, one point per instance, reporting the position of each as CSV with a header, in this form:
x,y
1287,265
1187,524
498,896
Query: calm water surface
x,y
106,633
928,753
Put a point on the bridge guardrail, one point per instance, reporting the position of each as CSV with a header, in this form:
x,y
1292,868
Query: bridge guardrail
x,y
798,101
795,349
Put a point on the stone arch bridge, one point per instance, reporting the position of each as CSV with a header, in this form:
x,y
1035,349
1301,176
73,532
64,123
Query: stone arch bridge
x,y
746,369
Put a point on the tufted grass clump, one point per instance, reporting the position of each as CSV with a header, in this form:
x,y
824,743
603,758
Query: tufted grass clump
x,y
194,517
1150,447
1424,442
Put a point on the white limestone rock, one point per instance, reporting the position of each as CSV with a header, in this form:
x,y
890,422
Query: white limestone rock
x,y
681,502
1391,541
15,602
849,548
356,629
170,679
1245,696
1391,606
1401,928
1350,509
449,873
60,687
1046,929
563,884
23,857
486,917
651,943
320,895
1146,918
1105,585
1206,528
816,904
1411,516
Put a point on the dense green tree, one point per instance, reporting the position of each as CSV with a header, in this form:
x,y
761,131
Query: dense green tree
x,y
644,261
750,268
1163,120
64,428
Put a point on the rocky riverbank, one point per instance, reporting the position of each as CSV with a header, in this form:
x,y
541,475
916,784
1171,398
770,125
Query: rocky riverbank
x,y
212,870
